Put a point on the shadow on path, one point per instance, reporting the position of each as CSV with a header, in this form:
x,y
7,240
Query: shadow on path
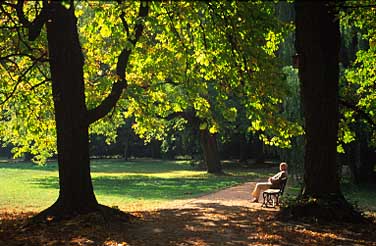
x,y
224,218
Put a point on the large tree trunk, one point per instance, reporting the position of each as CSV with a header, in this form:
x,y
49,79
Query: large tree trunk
x,y
210,150
317,42
72,118
66,63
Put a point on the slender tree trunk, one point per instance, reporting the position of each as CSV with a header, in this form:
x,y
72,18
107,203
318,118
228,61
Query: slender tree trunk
x,y
258,150
155,149
243,148
366,161
66,64
210,150
124,135
126,149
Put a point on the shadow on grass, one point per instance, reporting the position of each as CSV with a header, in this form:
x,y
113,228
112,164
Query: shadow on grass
x,y
362,196
50,166
111,166
149,166
150,188
209,224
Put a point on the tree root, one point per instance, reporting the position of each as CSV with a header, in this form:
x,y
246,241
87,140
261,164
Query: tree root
x,y
328,209
99,215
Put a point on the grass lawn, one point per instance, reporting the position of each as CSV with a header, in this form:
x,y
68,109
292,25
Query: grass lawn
x,y
127,185
139,184
362,196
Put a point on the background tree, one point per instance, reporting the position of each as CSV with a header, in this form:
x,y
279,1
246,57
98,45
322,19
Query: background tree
x,y
292,103
357,94
214,53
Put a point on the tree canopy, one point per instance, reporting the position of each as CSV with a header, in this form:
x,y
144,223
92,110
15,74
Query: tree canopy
x,y
358,92
213,59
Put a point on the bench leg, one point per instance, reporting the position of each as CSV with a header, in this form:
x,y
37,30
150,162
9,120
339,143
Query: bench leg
x,y
264,200
270,200
277,199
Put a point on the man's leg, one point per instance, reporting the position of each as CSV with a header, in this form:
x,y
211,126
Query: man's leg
x,y
260,186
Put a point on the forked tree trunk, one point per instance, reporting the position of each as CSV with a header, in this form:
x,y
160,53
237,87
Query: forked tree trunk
x,y
71,115
210,150
66,63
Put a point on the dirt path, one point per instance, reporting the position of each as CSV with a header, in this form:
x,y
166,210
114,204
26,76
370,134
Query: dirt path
x,y
238,195
223,218
219,218
228,218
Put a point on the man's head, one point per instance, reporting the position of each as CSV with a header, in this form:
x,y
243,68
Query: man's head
x,y
283,166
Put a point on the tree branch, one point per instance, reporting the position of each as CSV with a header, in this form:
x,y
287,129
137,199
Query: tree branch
x,y
19,80
203,35
357,6
187,115
39,59
174,29
168,81
126,52
21,14
359,111
9,96
123,59
40,83
125,24
36,25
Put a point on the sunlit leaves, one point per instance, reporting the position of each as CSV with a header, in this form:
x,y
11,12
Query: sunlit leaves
x,y
213,58
30,131
102,37
361,76
272,41
27,118
210,57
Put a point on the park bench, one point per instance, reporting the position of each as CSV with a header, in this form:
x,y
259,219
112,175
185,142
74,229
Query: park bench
x,y
271,196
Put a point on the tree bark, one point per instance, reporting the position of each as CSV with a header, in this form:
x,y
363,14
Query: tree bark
x,y
258,150
243,148
71,115
318,42
365,159
126,149
66,66
210,150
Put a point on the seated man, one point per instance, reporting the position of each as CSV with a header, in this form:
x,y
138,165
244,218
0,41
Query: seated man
x,y
273,182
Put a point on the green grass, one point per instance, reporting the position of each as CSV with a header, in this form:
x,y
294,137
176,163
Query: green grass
x,y
136,184
362,196
25,186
